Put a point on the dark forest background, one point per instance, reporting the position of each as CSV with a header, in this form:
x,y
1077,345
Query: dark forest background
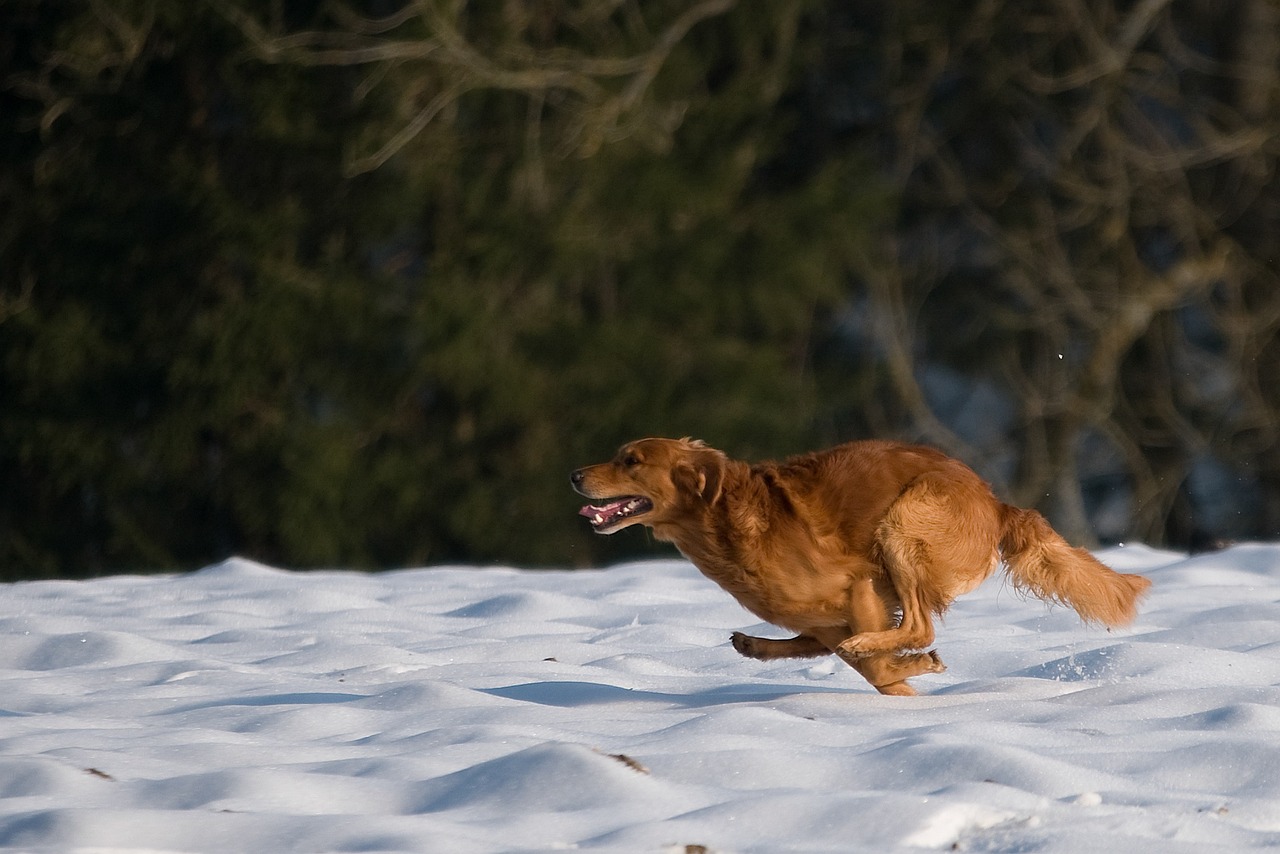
x,y
357,284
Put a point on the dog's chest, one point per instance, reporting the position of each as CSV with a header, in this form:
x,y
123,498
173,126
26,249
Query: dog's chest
x,y
786,590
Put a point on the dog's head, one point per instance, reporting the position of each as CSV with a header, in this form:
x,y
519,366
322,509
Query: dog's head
x,y
650,482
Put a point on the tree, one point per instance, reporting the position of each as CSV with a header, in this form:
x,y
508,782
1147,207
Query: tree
x,y
183,284
359,283
1087,221
429,263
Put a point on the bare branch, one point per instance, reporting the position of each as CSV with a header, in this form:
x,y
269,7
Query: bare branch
x,y
462,67
410,130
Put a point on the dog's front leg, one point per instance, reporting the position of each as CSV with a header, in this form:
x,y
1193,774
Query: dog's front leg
x,y
886,670
766,649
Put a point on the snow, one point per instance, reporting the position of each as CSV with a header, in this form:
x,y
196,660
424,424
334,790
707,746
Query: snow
x,y
245,708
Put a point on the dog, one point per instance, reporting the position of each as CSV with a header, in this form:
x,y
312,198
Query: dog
x,y
854,549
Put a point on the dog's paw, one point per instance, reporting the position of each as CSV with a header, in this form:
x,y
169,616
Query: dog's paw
x,y
745,645
854,647
920,662
897,689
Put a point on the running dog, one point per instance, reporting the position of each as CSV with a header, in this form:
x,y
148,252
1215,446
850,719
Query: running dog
x,y
855,549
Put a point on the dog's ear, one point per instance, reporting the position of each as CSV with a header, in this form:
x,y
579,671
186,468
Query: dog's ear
x,y
702,475
711,473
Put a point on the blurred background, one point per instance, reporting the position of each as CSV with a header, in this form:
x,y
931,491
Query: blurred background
x,y
358,283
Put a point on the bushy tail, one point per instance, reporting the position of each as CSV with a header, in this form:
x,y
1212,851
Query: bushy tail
x,y
1042,563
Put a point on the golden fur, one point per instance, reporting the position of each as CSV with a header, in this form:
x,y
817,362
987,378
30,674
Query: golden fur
x,y
854,549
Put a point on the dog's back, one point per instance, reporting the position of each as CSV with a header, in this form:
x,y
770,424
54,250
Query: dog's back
x,y
851,485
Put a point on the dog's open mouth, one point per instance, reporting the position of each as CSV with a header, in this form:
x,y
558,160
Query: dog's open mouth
x,y
614,510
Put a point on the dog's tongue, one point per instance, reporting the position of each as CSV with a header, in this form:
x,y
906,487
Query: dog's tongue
x,y
607,511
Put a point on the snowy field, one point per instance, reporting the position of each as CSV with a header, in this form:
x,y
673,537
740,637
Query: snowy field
x,y
242,708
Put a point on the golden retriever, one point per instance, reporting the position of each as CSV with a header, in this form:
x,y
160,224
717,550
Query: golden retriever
x,y
854,548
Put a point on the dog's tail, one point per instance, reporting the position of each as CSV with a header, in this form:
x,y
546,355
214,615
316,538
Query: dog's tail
x,y
1042,563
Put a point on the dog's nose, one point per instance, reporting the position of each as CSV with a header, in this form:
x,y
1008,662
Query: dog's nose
x,y
576,477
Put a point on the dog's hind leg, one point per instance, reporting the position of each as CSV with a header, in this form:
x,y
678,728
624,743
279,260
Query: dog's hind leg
x,y
885,671
923,545
766,649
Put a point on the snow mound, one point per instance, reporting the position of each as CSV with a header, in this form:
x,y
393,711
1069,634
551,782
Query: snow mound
x,y
246,708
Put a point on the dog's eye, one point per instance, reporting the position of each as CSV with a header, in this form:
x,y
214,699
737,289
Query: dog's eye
x,y
631,461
